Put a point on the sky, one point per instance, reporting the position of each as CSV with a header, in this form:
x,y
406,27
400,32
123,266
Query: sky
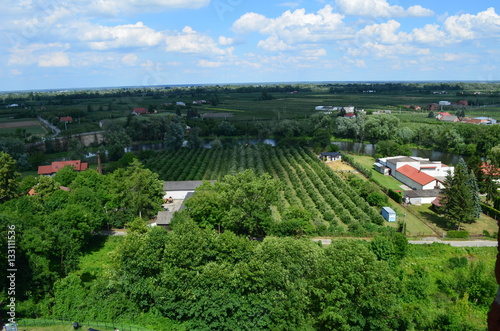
x,y
59,44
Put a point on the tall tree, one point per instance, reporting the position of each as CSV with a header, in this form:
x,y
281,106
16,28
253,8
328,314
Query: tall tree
x,y
239,203
174,136
8,176
461,196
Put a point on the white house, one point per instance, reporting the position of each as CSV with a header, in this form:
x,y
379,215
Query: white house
x,y
415,172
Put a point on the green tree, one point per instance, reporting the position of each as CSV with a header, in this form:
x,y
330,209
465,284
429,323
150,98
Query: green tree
x,y
239,203
460,196
65,175
174,136
8,177
194,140
116,140
134,191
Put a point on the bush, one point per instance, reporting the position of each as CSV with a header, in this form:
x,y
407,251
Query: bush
x,y
457,234
396,196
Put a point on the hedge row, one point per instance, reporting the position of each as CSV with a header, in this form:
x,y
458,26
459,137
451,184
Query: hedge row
x,y
490,211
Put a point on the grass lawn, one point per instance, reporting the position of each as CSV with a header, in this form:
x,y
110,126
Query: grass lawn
x,y
475,229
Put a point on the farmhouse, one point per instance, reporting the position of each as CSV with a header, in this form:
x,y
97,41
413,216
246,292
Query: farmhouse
x,y
50,170
415,172
139,111
330,156
66,119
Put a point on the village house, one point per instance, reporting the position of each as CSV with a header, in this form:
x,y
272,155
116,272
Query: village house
x,y
421,178
330,156
66,119
50,170
139,111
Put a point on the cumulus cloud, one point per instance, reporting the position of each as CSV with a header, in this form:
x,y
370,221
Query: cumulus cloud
x,y
485,24
225,41
120,36
379,8
273,44
385,33
294,27
191,41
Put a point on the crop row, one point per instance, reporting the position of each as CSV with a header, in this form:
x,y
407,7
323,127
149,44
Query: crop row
x,y
308,183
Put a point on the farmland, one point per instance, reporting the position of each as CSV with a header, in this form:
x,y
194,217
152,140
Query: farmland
x,y
309,183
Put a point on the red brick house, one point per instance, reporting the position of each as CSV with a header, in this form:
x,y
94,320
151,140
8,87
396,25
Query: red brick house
x,y
56,166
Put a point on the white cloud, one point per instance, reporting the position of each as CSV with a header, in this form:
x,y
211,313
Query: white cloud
x,y
115,7
430,33
209,64
379,8
130,59
484,25
44,55
385,33
225,41
190,41
55,59
120,36
273,44
294,27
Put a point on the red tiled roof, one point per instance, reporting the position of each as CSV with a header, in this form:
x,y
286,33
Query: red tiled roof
x,y
416,175
490,169
66,119
56,166
444,113
140,110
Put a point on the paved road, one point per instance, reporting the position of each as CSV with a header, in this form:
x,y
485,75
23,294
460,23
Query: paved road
x,y
55,129
465,243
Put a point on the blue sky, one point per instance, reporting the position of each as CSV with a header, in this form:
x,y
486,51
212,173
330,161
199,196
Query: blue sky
x,y
101,43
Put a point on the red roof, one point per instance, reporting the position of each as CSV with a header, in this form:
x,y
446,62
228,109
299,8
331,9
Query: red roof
x,y
416,175
66,119
140,110
444,113
56,166
490,169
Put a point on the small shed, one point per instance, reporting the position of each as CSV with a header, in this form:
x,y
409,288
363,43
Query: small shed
x,y
382,169
331,156
389,214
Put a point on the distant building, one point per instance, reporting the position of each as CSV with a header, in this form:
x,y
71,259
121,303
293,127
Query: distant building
x,y
331,156
139,111
56,166
444,103
415,172
66,119
440,115
433,106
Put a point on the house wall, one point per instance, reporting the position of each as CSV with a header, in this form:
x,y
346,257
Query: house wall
x,y
419,201
408,182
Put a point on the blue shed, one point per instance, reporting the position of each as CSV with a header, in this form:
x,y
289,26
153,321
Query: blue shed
x,y
389,214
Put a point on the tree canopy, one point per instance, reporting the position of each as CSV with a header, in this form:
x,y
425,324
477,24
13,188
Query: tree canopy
x,y
460,196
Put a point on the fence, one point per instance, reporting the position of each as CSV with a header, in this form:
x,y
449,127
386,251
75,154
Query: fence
x,y
84,325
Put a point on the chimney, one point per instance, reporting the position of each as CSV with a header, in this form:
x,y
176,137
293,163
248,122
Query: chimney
x,y
99,166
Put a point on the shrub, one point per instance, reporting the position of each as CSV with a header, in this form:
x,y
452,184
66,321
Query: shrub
x,y
457,234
